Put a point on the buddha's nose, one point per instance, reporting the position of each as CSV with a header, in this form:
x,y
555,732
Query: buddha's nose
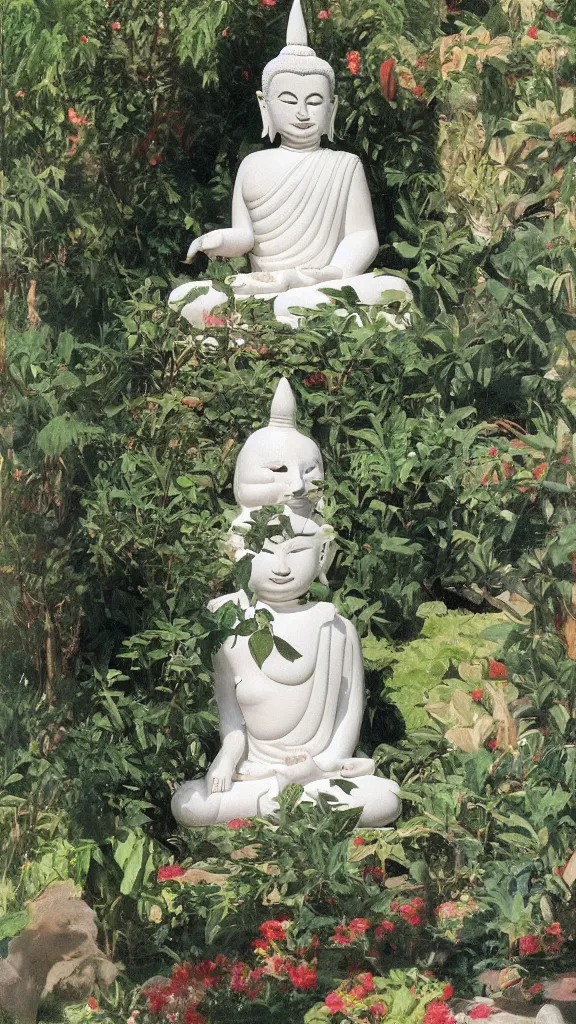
x,y
278,573
295,484
302,114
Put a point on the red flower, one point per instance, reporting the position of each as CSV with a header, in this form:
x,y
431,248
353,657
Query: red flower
x,y
115,25
366,981
448,992
193,1017
388,79
529,944
492,744
359,841
552,14
170,871
386,927
536,989
569,138
497,670
438,1012
154,160
372,872
554,929
353,61
493,451
92,1004
259,944
334,1002
315,380
477,696
378,1009
83,39
20,94
532,32
417,903
274,930
540,470
410,915
303,977
268,3
341,935
418,90
394,905
323,15
359,925
238,823
480,1011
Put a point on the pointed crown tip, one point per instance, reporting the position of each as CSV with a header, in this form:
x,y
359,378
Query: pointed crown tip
x,y
283,408
296,33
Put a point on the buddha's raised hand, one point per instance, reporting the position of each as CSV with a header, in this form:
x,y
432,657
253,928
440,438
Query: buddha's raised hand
x,y
210,242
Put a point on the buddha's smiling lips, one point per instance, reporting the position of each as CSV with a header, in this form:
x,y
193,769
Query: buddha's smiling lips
x,y
280,582
303,127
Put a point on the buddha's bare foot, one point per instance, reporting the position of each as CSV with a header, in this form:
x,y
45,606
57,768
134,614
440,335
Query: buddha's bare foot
x,y
354,767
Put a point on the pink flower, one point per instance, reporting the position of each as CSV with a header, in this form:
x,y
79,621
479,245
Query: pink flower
x,y
477,696
92,1004
83,39
536,989
479,1012
528,945
154,160
334,1002
20,94
532,32
213,321
75,118
238,823
437,1012
115,26
493,451
170,871
492,744
268,3
359,925
324,15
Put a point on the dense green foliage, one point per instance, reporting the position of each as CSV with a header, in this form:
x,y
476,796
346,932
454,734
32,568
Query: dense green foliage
x,y
450,462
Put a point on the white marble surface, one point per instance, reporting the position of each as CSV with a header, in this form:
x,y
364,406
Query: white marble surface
x,y
302,213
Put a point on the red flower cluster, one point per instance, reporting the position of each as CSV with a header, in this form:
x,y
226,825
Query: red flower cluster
x,y
238,823
479,1012
497,670
359,841
170,871
303,977
532,32
246,981
315,380
83,39
115,26
552,14
418,90
268,3
275,931
477,695
371,872
383,929
437,1012
351,992
344,934
324,15
410,912
529,944
540,470
353,61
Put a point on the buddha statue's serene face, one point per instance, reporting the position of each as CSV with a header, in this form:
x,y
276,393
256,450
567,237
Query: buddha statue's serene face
x,y
275,466
286,566
299,107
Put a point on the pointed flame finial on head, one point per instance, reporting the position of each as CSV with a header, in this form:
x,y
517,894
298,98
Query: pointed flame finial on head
x,y
283,408
296,34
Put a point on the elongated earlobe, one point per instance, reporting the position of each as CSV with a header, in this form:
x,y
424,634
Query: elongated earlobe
x,y
333,120
266,123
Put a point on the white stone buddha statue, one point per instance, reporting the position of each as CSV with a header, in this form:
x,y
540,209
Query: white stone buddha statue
x,y
304,214
289,721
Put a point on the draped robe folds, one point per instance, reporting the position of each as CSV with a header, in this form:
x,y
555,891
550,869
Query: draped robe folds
x,y
300,221
313,732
